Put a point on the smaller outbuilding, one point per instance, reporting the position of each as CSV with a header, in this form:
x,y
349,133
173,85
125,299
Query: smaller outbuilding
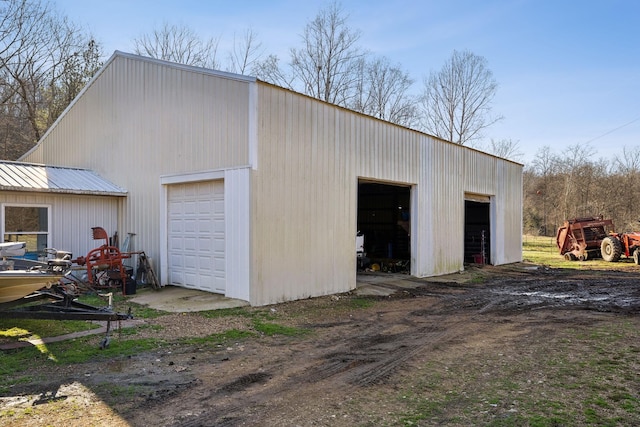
x,y
52,206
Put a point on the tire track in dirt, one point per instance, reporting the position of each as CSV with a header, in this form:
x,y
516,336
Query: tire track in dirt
x,y
367,360
369,350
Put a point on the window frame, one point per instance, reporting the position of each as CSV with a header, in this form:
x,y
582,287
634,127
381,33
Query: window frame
x,y
3,217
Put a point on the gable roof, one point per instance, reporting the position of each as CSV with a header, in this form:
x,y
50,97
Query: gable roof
x,y
17,176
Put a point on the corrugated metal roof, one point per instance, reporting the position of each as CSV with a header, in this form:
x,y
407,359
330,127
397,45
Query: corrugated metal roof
x,y
16,176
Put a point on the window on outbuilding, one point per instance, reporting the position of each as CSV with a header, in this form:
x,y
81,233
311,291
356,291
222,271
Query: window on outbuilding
x,y
29,224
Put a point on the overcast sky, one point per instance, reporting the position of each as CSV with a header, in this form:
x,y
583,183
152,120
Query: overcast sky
x,y
568,71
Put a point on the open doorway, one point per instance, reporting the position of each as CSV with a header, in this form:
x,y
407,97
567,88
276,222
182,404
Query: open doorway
x,y
477,231
384,226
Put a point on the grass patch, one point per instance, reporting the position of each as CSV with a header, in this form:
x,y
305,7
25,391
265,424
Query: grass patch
x,y
263,320
543,251
24,328
76,351
227,312
271,329
577,376
122,304
360,302
217,339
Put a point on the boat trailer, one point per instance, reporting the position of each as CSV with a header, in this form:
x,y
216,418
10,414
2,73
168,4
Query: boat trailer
x,y
54,302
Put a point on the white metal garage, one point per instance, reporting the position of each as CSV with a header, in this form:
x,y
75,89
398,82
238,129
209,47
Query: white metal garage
x,y
289,166
196,235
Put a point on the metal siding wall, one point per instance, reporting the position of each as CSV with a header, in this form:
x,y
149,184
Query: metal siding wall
x,y
305,191
237,225
509,213
305,194
72,217
142,119
441,216
303,211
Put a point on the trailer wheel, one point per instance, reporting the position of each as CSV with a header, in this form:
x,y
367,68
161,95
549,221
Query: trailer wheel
x,y
611,249
569,256
636,256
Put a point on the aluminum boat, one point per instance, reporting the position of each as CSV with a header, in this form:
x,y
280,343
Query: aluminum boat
x,y
16,284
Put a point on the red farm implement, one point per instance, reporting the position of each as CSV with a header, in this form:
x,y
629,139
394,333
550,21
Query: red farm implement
x,y
593,237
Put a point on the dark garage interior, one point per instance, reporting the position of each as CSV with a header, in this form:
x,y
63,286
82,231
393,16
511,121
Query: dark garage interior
x,y
384,221
477,232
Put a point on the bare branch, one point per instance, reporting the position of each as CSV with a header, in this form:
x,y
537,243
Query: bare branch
x,y
245,53
505,148
457,99
383,92
327,64
178,43
42,68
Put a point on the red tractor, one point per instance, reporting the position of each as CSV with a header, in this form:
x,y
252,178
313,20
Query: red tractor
x,y
617,244
584,238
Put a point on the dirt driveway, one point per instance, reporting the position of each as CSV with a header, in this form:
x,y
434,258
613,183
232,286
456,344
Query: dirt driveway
x,y
426,355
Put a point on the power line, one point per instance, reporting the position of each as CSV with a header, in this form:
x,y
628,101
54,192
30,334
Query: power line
x,y
613,130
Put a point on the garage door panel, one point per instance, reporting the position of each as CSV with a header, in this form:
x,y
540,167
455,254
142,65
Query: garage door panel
x,y
218,227
206,228
176,277
196,229
190,226
190,208
205,245
176,260
218,264
191,280
218,246
190,262
190,244
176,243
175,226
206,265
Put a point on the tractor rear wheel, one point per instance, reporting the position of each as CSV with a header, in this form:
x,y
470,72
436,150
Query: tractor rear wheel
x,y
636,256
611,249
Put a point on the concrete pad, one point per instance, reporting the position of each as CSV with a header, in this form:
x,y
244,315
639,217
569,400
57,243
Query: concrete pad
x,y
383,284
366,289
180,300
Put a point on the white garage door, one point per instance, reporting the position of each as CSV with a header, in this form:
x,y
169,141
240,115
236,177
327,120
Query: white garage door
x,y
196,235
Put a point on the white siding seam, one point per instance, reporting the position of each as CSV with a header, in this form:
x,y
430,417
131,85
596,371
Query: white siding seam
x,y
253,125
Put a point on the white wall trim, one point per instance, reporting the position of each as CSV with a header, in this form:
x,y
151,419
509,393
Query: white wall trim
x,y
183,178
237,225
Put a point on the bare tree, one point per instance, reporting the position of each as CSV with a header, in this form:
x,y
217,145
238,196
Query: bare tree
x,y
178,43
505,148
269,70
39,52
457,99
78,68
574,184
331,66
575,161
245,53
383,92
629,162
327,64
544,192
625,187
